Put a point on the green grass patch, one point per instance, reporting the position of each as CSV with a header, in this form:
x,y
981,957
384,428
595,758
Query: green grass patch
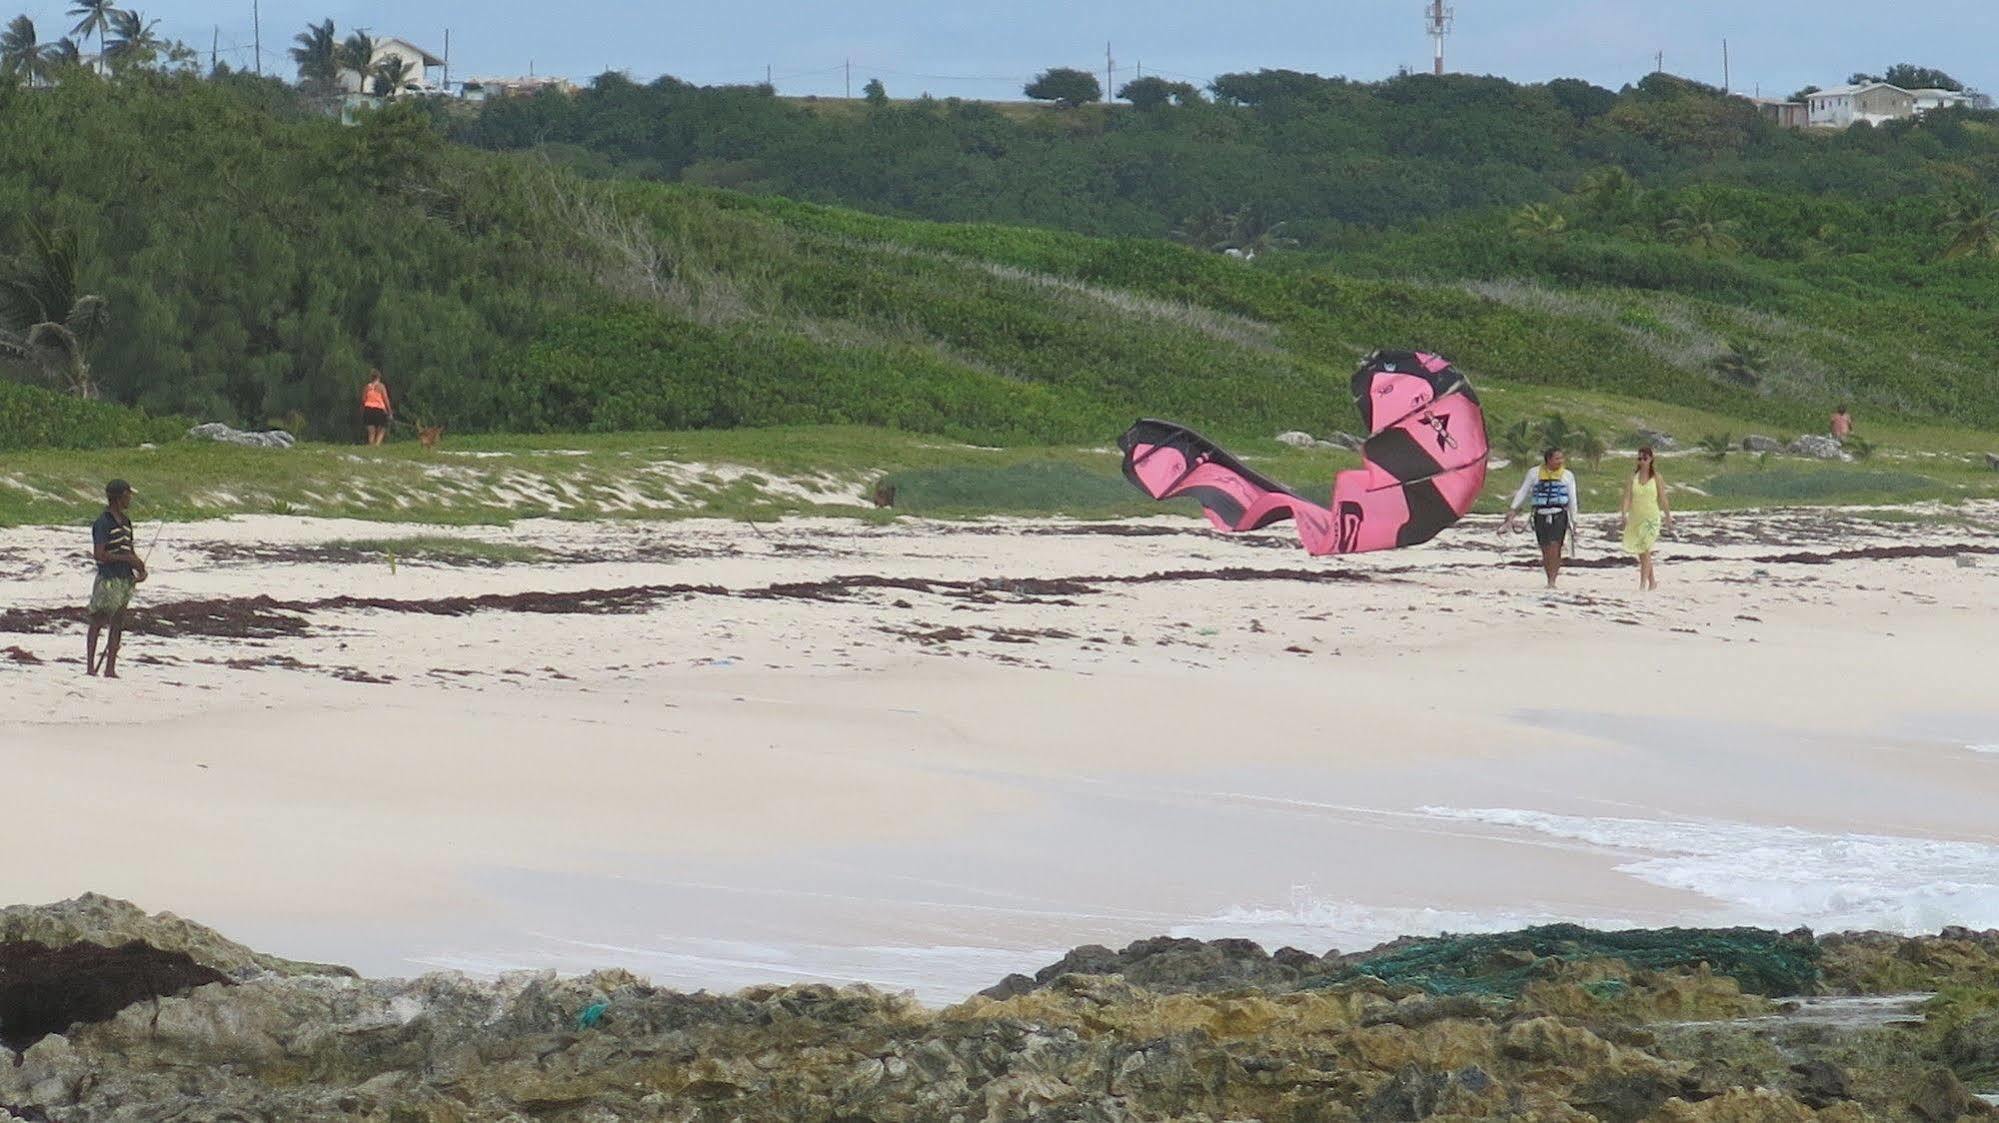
x,y
770,473
1824,485
1047,487
434,547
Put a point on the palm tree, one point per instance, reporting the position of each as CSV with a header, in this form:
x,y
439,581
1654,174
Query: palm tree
x,y
1208,229
358,55
1556,432
133,42
46,323
1252,232
317,56
94,17
394,74
1538,220
61,55
1698,224
1588,445
1520,441
1604,188
1742,363
1970,224
21,51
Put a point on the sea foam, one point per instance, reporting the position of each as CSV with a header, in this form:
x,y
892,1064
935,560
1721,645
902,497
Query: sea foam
x,y
1785,876
1315,924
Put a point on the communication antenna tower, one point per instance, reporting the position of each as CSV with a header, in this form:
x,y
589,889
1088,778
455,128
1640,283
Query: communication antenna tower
x,y
1437,20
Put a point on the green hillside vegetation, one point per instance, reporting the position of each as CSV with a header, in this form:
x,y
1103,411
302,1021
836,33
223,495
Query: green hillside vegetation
x,y
1320,155
254,268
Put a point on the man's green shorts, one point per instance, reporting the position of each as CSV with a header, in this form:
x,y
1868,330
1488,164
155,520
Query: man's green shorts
x,y
110,596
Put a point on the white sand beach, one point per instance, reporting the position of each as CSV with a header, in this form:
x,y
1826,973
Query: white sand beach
x,y
1016,737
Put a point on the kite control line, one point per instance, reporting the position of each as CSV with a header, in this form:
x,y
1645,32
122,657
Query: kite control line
x,y
1422,464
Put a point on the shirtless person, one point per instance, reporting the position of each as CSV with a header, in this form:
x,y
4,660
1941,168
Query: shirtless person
x,y
119,569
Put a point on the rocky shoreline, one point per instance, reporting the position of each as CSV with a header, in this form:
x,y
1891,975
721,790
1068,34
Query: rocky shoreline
x,y
108,1013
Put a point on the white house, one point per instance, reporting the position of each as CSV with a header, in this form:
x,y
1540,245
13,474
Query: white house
x,y
419,64
486,89
1929,99
1872,102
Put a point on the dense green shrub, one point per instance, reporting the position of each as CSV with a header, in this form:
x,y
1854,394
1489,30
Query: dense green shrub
x,y
31,417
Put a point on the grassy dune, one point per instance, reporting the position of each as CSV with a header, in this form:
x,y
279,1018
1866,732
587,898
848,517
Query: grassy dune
x,y
768,473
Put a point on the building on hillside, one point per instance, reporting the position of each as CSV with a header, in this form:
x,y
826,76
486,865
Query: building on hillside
x,y
1929,99
417,62
485,89
1783,114
1872,102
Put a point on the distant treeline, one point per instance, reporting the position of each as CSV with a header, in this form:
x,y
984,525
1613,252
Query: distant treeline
x,y
1318,154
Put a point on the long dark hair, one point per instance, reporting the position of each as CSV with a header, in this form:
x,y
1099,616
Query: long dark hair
x,y
1648,463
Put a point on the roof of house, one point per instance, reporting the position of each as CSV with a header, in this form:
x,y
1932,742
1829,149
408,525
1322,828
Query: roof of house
x,y
1850,91
411,48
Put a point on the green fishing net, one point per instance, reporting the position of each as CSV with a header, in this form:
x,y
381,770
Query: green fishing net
x,y
1502,963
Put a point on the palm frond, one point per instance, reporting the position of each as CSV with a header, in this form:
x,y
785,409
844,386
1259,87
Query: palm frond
x,y
88,318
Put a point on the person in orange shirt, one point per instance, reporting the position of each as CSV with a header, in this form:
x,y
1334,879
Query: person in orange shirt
x,y
375,409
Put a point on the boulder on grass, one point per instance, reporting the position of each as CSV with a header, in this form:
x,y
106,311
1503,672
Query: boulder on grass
x,y
1818,446
217,431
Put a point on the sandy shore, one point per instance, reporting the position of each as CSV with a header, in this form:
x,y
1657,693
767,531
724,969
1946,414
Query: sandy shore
x,y
1007,739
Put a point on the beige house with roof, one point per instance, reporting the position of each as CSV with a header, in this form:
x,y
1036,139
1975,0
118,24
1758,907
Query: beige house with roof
x,y
1872,102
418,63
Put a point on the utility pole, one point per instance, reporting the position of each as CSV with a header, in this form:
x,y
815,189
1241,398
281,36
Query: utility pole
x,y
1659,61
257,34
1437,20
767,79
1110,83
1724,66
850,79
214,41
447,60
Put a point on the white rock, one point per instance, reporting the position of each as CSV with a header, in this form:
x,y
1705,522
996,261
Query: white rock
x,y
217,431
1820,447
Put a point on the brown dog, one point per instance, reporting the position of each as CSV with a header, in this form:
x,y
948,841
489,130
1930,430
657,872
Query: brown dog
x,y
429,435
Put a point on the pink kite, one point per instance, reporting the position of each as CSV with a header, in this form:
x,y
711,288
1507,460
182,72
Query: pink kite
x,y
1422,464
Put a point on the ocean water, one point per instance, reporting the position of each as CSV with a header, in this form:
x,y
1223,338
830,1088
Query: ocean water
x,y
1783,876
1317,924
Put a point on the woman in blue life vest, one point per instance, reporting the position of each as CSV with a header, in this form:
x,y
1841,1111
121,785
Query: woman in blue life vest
x,y
1552,490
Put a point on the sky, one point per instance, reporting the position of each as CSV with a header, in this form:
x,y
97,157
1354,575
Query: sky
x,y
983,49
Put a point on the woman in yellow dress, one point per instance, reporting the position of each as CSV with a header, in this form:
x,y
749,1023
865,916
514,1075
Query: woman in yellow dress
x,y
1645,515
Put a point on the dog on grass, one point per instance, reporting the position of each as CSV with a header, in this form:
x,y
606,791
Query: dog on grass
x,y
429,435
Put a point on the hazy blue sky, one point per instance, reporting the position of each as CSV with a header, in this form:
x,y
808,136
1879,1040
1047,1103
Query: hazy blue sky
x,y
978,48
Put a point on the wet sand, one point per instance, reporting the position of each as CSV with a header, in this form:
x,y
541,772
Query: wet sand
x,y
928,754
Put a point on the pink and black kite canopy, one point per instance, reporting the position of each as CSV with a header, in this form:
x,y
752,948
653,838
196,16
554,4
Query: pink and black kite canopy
x,y
1423,464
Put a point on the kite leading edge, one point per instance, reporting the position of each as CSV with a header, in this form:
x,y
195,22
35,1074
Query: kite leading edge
x,y
1422,464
